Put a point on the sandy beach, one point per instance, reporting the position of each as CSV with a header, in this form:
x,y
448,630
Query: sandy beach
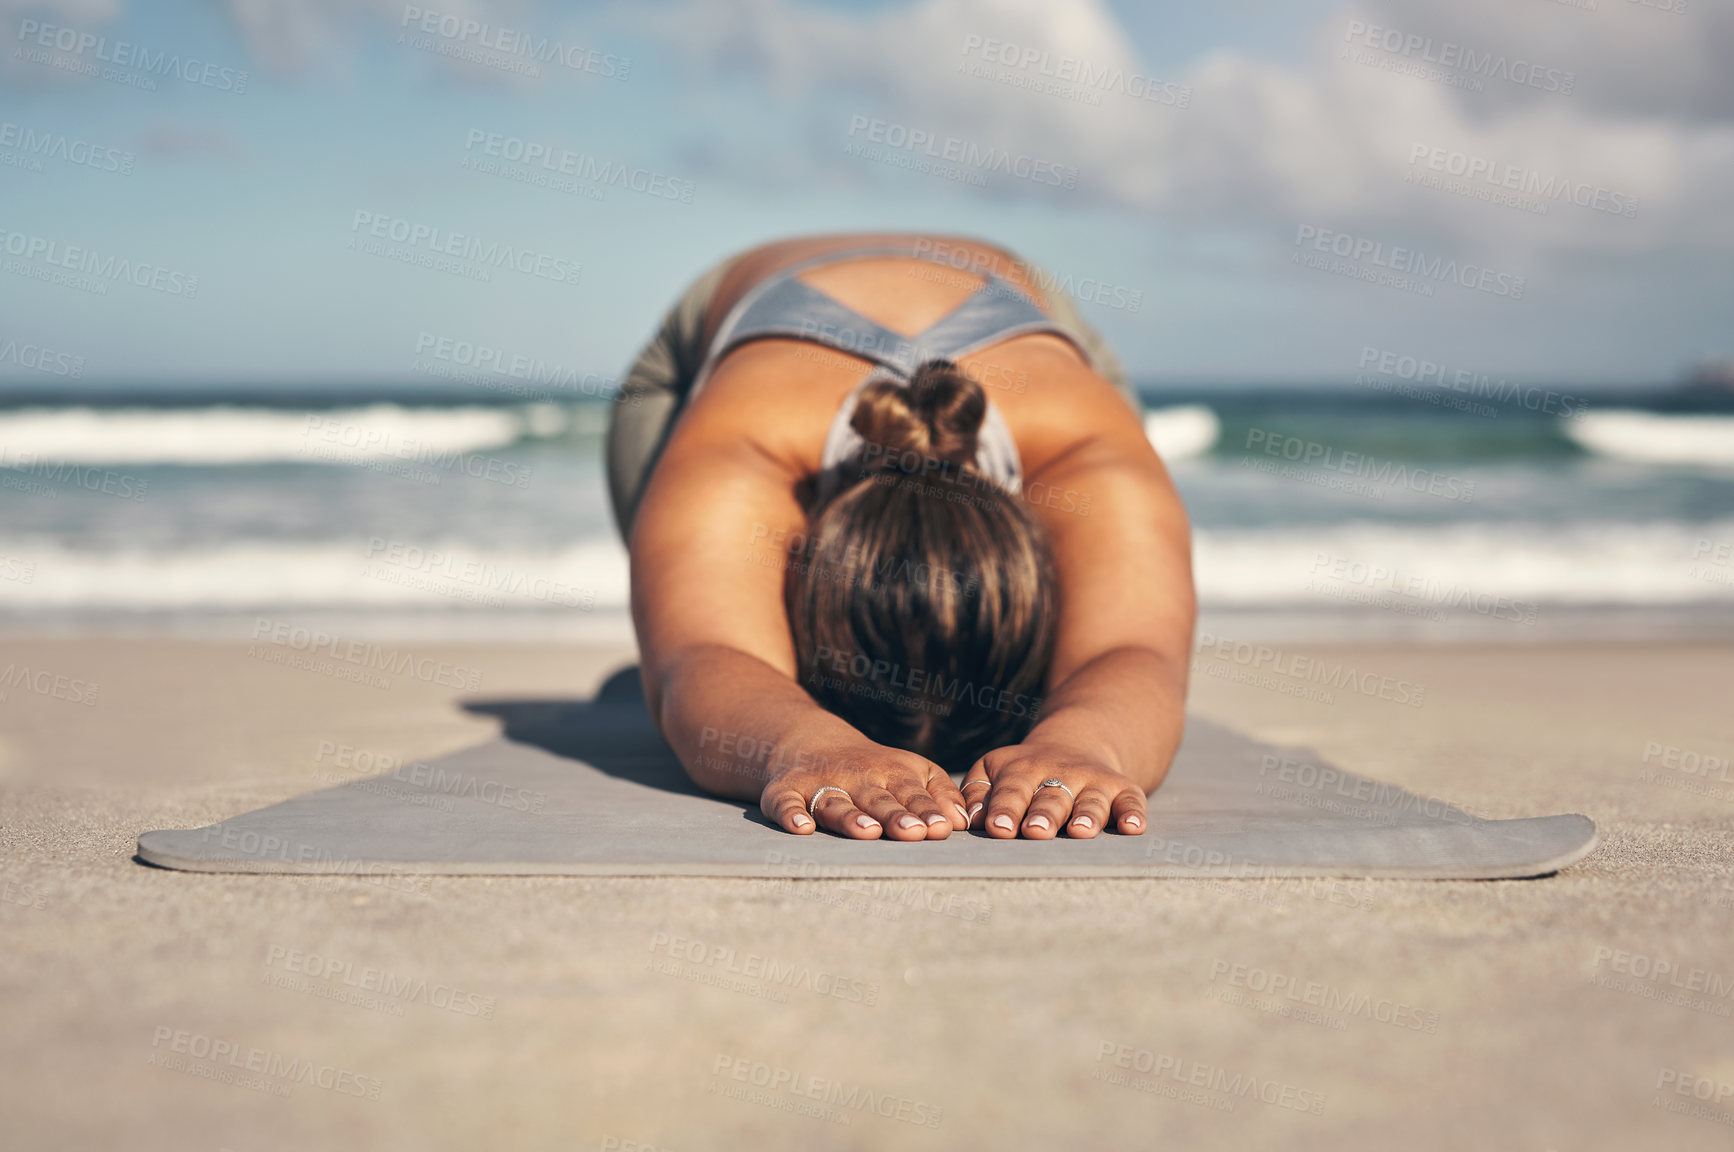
x,y
158,1009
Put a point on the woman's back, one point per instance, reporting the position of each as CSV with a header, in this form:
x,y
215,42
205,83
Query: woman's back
x,y
1083,630
795,387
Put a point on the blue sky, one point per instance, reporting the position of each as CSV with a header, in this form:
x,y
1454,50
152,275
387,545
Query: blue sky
x,y
1285,136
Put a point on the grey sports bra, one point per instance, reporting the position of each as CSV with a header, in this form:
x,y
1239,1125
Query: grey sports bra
x,y
784,307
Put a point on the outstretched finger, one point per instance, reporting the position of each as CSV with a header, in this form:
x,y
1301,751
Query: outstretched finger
x,y
1007,802
919,802
884,806
1129,812
949,797
787,809
1089,814
975,789
837,813
1048,811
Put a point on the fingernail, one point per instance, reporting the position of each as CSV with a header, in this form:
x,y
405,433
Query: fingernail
x,y
1083,822
1134,822
907,821
973,809
1002,821
936,818
1041,822
866,822
965,815
801,821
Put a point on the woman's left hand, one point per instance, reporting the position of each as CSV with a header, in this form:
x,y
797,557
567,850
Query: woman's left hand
x,y
1016,801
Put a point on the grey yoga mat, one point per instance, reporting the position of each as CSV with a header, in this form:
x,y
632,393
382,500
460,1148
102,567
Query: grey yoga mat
x,y
587,788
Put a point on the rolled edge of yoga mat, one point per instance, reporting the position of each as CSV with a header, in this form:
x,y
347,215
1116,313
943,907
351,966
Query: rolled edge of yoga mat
x,y
1499,850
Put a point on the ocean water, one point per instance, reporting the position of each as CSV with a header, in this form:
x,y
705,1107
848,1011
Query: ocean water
x,y
1347,512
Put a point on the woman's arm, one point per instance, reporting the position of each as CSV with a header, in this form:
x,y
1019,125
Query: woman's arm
x,y
718,662
1116,704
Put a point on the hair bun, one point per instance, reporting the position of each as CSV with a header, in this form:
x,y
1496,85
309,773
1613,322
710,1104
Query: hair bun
x,y
938,414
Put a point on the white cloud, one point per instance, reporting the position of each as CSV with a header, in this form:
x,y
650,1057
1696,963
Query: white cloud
x,y
1263,144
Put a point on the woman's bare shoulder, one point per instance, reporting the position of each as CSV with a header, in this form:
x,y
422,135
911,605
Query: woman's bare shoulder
x,y
1056,404
772,398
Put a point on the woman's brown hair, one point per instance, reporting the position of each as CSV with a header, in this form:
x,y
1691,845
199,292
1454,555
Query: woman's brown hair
x,y
923,603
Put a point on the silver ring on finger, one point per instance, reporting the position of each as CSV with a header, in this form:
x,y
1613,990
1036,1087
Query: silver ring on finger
x,y
967,783
814,802
1054,782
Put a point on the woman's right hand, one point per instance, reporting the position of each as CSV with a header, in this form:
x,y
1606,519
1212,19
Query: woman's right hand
x,y
884,791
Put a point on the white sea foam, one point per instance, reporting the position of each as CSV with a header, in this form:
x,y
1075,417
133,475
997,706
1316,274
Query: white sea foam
x,y
1183,431
1637,564
588,576
239,435
1627,434
1656,563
